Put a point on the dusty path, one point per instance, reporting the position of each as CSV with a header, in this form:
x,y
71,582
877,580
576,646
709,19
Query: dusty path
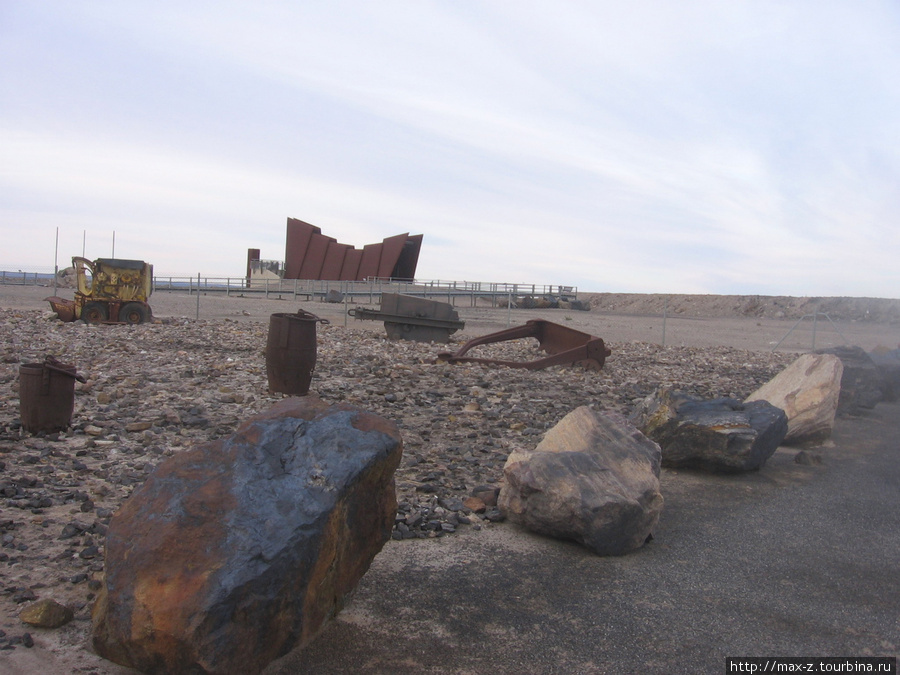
x,y
755,334
790,561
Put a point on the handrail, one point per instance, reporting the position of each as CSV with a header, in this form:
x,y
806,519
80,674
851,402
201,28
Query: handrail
x,y
372,286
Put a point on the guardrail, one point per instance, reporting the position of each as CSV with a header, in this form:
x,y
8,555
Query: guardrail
x,y
370,289
354,290
21,278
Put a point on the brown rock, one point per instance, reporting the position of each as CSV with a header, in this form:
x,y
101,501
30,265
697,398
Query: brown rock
x,y
474,504
239,550
138,426
487,494
593,479
46,613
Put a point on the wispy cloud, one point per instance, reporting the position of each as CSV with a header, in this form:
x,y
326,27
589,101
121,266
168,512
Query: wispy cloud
x,y
692,147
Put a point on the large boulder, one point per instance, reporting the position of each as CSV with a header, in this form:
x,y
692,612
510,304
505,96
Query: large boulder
x,y
887,361
862,385
808,391
719,435
236,551
593,478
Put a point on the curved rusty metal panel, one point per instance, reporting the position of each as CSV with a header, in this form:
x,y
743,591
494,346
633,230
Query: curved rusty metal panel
x,y
371,258
299,234
390,254
350,270
309,254
334,261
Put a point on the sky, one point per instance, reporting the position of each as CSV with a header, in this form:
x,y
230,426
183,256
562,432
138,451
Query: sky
x,y
723,147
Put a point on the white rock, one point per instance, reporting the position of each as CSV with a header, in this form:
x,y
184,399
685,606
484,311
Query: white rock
x,y
808,391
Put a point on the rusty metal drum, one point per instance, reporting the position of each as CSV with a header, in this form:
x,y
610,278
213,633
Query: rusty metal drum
x,y
291,352
47,395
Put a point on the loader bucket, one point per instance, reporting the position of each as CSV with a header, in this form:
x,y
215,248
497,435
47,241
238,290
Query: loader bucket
x,y
65,309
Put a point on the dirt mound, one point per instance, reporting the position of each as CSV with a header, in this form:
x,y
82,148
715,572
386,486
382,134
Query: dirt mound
x,y
876,310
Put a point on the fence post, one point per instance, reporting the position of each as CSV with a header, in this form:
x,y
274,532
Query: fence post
x,y
665,315
198,296
815,323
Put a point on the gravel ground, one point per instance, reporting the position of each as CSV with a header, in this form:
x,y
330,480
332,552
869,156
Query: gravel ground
x,y
155,389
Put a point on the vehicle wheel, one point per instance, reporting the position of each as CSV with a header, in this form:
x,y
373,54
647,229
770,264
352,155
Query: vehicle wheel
x,y
134,312
94,312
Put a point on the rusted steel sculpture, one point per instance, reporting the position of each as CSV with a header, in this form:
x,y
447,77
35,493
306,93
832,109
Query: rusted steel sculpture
x,y
409,318
309,254
565,346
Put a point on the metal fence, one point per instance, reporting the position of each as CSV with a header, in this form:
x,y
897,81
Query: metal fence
x,y
309,289
26,278
354,291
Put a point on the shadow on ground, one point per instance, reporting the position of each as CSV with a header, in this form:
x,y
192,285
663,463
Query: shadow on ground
x,y
794,560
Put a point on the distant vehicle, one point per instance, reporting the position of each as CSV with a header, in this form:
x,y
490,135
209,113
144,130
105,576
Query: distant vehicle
x,y
116,293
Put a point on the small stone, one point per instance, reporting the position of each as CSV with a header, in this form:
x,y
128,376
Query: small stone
x,y
138,426
46,613
487,494
89,553
72,529
807,458
24,595
475,505
494,515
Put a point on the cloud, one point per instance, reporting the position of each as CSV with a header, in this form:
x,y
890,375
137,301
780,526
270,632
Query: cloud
x,y
697,147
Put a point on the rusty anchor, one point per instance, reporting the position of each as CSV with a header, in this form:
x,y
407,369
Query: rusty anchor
x,y
564,345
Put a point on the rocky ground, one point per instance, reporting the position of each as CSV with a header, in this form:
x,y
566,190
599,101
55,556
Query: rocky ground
x,y
153,390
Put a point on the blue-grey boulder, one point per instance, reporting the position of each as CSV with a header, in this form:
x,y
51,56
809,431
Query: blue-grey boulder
x,y
234,552
887,361
719,435
862,384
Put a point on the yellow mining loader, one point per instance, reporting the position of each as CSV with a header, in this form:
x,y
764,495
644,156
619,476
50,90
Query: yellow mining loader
x,y
116,292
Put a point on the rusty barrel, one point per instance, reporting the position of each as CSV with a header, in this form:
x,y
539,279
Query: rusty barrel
x,y
46,395
291,352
